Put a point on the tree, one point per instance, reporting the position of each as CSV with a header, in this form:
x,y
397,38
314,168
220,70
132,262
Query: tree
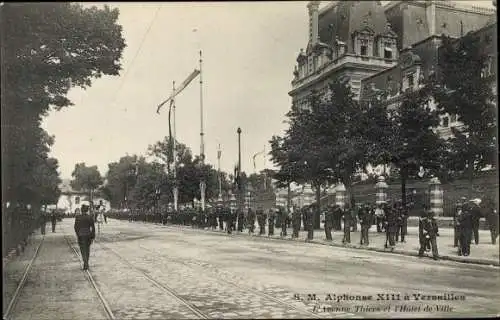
x,y
60,46
341,141
47,181
121,179
86,178
414,142
464,90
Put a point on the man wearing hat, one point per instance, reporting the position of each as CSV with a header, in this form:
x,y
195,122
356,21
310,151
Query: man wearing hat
x,y
456,217
271,218
428,231
85,232
476,216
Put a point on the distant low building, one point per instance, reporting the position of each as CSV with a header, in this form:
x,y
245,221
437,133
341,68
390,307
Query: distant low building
x,y
71,200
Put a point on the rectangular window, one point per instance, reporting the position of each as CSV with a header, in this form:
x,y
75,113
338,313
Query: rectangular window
x,y
446,122
411,80
364,50
387,53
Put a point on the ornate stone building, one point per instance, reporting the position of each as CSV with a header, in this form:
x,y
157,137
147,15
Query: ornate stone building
x,y
383,48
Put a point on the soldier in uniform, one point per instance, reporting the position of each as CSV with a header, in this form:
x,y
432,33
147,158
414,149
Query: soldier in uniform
x,y
271,220
492,218
284,217
428,231
390,226
240,217
379,218
279,217
329,221
337,215
220,216
354,217
296,223
476,216
456,214
365,219
347,225
402,221
251,221
304,218
464,221
261,220
85,232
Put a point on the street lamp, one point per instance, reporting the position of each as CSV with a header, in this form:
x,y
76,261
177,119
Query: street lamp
x,y
436,196
239,187
381,186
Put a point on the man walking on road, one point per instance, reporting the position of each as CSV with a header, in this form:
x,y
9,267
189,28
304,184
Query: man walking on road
x,y
85,232
53,219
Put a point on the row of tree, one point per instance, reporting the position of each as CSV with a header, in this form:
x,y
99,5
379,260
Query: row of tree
x,y
47,49
336,136
134,182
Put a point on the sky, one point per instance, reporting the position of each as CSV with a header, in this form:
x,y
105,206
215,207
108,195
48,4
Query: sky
x,y
249,51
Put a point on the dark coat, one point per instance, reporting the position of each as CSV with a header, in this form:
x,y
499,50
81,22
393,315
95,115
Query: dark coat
x,y
84,226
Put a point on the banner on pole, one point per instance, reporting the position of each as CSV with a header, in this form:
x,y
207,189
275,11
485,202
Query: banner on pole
x,y
178,90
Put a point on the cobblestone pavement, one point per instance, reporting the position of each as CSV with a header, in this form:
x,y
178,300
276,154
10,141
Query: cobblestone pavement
x,y
56,288
148,271
13,270
194,261
485,252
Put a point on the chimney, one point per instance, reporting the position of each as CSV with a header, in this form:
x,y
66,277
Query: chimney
x,y
313,8
430,13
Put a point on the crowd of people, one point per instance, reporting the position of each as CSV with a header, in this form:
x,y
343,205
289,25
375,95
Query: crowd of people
x,y
389,217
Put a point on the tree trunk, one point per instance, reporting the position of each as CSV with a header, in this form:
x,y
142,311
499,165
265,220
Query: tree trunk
x,y
470,176
317,214
288,199
404,178
350,201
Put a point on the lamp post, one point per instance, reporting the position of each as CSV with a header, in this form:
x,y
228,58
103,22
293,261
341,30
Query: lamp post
x,y
381,187
239,187
436,196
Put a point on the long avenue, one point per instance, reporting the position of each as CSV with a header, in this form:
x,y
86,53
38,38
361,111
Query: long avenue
x,y
146,271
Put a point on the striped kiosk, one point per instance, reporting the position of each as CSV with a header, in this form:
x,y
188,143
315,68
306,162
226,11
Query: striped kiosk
x,y
436,196
381,187
232,203
340,195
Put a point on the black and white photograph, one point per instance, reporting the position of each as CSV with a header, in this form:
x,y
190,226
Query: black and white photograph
x,y
249,160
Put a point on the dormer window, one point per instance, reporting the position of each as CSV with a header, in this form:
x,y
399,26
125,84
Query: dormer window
x,y
387,53
411,80
446,122
364,50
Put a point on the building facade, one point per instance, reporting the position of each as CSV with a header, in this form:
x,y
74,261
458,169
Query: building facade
x,y
71,200
383,48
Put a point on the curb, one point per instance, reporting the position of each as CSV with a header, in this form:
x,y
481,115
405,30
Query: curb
x,y
485,262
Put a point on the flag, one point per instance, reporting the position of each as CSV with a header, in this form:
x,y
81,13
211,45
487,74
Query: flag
x,y
219,153
183,85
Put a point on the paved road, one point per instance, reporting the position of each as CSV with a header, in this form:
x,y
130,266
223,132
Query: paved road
x,y
148,271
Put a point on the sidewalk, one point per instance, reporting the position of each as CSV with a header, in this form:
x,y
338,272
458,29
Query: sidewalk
x,y
484,253
55,285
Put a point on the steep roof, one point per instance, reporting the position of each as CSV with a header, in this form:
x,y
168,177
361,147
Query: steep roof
x,y
66,188
344,18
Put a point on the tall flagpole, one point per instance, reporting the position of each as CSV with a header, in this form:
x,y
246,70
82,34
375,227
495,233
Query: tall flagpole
x,y
219,153
202,144
174,151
